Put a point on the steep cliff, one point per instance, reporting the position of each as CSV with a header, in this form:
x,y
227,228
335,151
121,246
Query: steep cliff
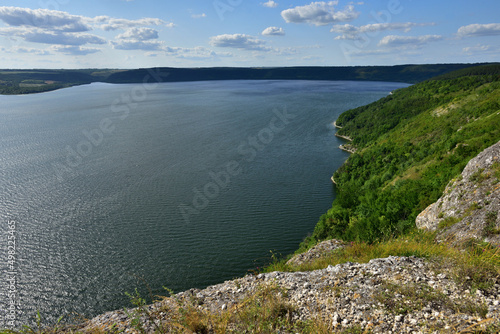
x,y
470,205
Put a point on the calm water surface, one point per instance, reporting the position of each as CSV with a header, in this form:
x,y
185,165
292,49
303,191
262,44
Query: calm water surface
x,y
179,185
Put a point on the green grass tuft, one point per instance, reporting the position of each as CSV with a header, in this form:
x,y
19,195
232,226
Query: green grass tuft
x,y
447,222
491,224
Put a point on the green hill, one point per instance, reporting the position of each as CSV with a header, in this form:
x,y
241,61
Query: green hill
x,y
409,145
37,81
399,73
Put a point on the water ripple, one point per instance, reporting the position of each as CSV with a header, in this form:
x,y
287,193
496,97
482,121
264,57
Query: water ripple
x,y
87,234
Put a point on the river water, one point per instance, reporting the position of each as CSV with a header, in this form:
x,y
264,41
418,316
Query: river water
x,y
105,188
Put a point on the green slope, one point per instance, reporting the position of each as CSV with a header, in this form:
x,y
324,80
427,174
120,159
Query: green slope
x,y
409,146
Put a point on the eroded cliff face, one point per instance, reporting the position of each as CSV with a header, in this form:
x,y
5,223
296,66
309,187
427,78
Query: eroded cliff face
x,y
470,205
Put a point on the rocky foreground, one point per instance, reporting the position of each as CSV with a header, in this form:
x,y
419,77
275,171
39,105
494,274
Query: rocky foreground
x,y
389,295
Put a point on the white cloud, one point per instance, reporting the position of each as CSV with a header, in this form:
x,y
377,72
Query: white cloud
x,y
238,41
370,52
311,58
491,29
198,16
351,32
482,50
67,33
109,23
62,21
139,34
43,18
286,51
70,34
138,45
246,42
273,31
477,48
74,50
319,13
270,4
347,31
198,52
35,35
14,32
397,41
63,38
32,51
138,39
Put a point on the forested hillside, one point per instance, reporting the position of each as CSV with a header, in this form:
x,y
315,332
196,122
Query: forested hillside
x,y
409,146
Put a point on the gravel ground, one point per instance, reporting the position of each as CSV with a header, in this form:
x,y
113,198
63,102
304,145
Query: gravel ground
x,y
389,295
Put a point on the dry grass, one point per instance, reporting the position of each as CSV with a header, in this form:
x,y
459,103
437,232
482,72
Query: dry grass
x,y
265,311
478,261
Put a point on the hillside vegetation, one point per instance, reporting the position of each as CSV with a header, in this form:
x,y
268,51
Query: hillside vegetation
x,y
409,146
38,81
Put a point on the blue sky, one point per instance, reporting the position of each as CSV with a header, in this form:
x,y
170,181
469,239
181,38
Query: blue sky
x,y
206,33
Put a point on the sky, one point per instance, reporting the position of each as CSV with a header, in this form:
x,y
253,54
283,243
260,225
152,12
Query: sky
x,y
247,33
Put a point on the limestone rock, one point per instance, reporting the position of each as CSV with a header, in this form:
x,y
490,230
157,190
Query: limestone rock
x,y
317,251
470,205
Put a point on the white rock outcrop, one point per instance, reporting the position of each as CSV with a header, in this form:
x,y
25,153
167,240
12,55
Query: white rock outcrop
x,y
470,205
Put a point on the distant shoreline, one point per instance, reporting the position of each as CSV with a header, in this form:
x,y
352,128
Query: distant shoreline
x,y
347,149
23,81
344,137
344,147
